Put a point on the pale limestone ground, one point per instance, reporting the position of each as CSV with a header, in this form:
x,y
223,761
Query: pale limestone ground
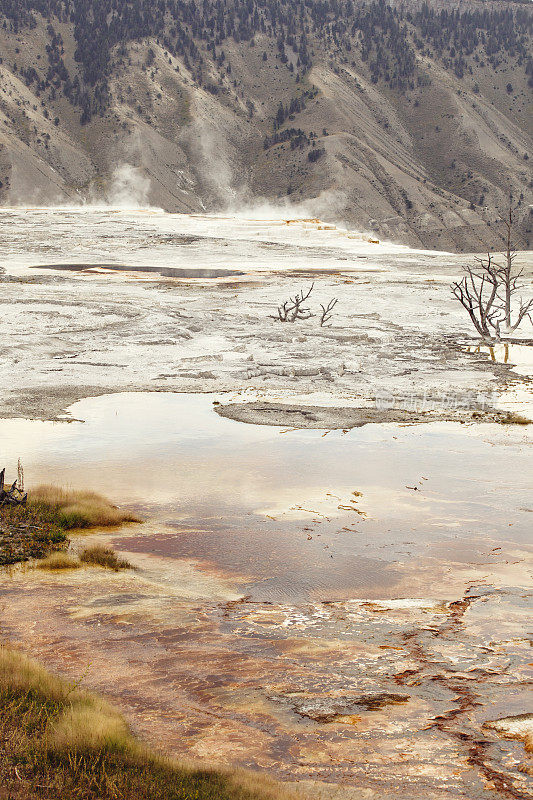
x,y
395,330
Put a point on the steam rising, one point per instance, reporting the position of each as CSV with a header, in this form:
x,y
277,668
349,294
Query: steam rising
x,y
328,205
227,192
129,188
213,166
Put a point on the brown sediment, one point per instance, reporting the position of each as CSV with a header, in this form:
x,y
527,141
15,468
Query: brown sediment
x,y
234,681
476,749
335,418
499,780
519,726
332,709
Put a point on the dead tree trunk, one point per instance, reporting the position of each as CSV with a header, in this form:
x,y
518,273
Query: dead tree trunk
x,y
509,281
12,496
506,270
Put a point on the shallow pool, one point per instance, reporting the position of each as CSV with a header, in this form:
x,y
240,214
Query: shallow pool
x,y
293,514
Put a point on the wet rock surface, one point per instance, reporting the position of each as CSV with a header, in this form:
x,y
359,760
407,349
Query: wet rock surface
x,y
388,698
261,413
341,709
166,272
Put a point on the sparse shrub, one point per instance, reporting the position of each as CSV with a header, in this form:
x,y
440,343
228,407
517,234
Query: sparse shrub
x,y
100,556
511,418
27,533
315,154
327,312
293,309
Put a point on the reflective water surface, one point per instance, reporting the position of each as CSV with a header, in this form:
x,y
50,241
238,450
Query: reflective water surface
x,y
293,513
346,611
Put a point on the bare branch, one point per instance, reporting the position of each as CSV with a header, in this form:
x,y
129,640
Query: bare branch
x,y
477,292
292,309
487,292
327,311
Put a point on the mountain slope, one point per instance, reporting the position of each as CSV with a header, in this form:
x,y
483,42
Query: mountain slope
x,y
415,125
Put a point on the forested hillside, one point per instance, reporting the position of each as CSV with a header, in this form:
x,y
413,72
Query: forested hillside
x,y
411,120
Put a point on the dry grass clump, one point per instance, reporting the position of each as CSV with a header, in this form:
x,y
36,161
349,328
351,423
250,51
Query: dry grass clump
x,y
77,746
101,556
512,418
59,560
36,529
77,509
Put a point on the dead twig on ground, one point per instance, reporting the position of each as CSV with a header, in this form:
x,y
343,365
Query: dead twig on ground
x,y
293,309
327,311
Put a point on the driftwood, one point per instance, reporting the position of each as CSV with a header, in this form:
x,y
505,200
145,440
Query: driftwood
x,y
13,496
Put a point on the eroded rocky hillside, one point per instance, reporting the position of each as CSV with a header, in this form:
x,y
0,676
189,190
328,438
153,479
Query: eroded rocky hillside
x,y
414,123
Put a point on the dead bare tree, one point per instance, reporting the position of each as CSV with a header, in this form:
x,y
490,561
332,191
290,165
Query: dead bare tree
x,y
523,308
20,476
327,311
491,292
507,269
510,281
477,292
293,308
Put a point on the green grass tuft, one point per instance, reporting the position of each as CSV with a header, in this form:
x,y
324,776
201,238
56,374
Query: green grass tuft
x,y
76,509
101,556
57,736
59,560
